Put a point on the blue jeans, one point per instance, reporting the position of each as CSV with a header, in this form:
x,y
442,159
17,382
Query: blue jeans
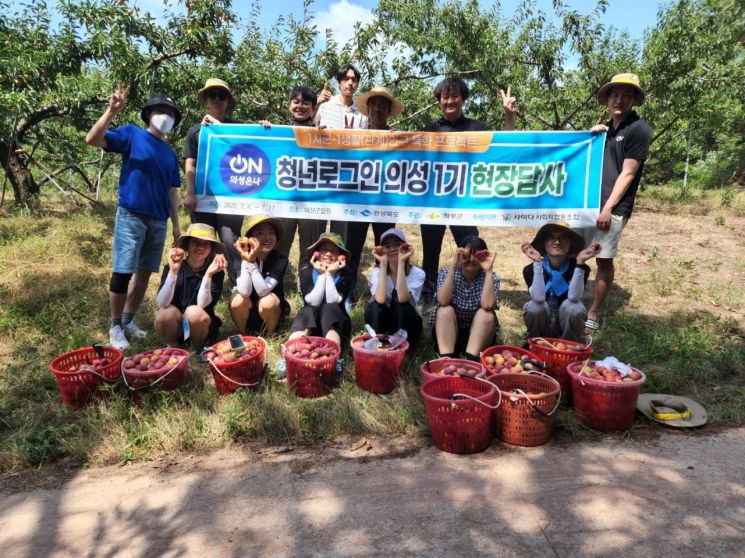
x,y
138,241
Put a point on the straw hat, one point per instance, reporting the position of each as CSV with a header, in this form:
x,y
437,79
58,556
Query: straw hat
x,y
214,83
576,239
664,408
397,106
622,79
279,228
334,239
200,231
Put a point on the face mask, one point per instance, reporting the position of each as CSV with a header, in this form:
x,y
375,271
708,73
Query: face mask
x,y
162,122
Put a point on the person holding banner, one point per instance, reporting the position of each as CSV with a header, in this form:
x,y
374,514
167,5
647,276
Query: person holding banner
x,y
451,93
467,291
395,285
219,100
556,280
626,149
324,286
190,287
148,196
259,304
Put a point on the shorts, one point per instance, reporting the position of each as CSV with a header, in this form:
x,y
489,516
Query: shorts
x,y
319,320
138,241
608,239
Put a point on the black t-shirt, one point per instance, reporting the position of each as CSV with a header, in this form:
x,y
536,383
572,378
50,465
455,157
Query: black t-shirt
x,y
528,275
342,287
463,124
629,141
191,143
274,266
187,286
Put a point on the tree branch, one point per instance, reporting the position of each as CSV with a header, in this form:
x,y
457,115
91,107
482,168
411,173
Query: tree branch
x,y
406,78
417,113
165,57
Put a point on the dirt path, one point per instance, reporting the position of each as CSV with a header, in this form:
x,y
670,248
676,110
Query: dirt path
x,y
672,494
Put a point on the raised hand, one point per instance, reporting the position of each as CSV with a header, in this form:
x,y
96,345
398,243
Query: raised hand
x,y
508,101
487,264
243,248
219,263
531,252
118,98
588,253
405,252
380,255
325,94
175,259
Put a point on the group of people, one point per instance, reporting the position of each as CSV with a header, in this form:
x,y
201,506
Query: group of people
x,y
256,259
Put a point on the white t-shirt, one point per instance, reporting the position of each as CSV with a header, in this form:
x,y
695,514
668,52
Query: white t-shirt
x,y
333,114
414,280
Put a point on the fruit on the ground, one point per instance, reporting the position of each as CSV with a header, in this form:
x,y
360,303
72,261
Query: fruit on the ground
x,y
605,374
379,250
510,361
481,255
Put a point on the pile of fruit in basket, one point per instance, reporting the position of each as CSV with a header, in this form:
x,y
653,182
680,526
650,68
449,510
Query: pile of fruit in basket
x,y
153,360
312,350
608,374
224,353
561,345
508,362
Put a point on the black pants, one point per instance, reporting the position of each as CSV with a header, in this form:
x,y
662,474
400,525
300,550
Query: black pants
x,y
228,228
389,319
432,236
354,234
308,231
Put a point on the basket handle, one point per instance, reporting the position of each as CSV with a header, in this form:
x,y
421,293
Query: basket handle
x,y
156,382
535,407
95,373
499,402
231,380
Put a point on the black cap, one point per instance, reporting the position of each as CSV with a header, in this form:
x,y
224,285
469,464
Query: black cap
x,y
160,100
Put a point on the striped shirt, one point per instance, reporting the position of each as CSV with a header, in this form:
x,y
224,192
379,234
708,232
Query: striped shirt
x,y
333,114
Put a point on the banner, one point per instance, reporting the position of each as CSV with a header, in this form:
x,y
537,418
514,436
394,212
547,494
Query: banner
x,y
468,178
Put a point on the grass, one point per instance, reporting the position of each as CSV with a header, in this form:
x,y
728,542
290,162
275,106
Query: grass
x,y
53,298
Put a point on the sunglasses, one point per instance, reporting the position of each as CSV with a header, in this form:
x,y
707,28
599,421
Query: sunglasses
x,y
217,95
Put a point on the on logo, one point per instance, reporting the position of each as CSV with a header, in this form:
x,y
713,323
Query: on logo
x,y
245,169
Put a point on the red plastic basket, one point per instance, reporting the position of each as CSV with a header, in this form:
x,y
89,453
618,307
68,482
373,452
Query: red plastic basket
x,y
526,421
519,351
558,359
244,372
431,369
306,377
459,425
604,405
165,377
78,386
377,371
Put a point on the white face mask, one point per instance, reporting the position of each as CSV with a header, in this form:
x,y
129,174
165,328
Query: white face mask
x,y
162,122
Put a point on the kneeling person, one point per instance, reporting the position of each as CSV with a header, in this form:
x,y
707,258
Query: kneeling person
x,y
556,282
260,305
191,286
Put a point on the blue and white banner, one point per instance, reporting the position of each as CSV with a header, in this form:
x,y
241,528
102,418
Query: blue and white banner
x,y
469,178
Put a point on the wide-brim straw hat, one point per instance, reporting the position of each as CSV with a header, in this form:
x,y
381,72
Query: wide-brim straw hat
x,y
200,231
215,83
622,79
279,228
676,404
334,239
397,106
577,242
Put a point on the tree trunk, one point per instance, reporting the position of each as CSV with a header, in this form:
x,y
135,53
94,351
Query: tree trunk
x,y
24,185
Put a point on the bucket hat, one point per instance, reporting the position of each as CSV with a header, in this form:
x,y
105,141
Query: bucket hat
x,y
397,106
200,231
622,79
334,239
279,228
671,410
215,83
577,242
160,100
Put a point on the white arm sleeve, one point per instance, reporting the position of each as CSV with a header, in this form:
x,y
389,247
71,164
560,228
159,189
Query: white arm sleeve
x,y
204,296
244,284
165,294
261,285
315,297
576,285
538,289
332,295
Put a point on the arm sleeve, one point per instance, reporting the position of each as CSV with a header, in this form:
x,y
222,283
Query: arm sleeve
x,y
332,295
415,282
204,296
315,297
261,285
244,284
537,289
576,285
167,289
374,278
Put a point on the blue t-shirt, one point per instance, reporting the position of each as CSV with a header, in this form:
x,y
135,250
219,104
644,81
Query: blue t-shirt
x,y
149,170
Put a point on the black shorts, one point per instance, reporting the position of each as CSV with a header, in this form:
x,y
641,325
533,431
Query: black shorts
x,y
319,320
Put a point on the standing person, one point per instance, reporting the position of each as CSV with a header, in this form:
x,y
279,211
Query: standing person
x,y
191,286
451,93
467,291
259,305
303,102
395,285
219,100
340,111
556,280
148,195
626,149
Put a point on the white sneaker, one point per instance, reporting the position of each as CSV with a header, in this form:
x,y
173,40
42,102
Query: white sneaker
x,y
133,330
117,338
